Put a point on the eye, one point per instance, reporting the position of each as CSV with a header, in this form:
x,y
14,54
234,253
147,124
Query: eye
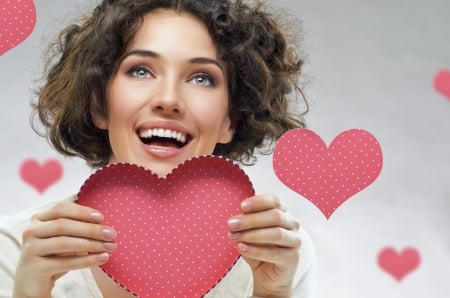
x,y
204,80
140,72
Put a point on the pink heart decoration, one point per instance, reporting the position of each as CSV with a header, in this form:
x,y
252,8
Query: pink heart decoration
x,y
442,83
327,176
41,177
397,264
172,231
18,19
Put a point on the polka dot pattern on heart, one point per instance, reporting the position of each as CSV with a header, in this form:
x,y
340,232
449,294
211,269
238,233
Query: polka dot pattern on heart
x,y
18,19
173,231
327,176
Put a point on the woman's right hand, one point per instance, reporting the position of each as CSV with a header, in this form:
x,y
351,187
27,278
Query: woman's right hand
x,y
65,237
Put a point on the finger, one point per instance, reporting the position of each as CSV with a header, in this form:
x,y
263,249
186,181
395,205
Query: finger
x,y
69,210
69,227
60,264
64,245
262,202
281,256
268,237
263,219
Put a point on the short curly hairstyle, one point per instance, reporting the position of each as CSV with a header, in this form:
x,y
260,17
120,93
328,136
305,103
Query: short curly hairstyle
x,y
263,72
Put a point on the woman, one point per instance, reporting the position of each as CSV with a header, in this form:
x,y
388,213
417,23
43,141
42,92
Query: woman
x,y
155,83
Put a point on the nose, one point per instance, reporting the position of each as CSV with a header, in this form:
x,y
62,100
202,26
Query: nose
x,y
168,98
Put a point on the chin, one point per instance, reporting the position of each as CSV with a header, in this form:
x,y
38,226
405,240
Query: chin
x,y
161,170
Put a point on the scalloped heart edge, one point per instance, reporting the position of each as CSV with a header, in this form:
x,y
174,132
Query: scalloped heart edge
x,y
206,293
171,172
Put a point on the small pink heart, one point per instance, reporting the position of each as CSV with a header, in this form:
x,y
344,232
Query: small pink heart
x,y
172,231
327,176
397,264
442,83
42,176
18,19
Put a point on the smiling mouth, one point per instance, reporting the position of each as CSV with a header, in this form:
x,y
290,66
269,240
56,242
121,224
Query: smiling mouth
x,y
163,137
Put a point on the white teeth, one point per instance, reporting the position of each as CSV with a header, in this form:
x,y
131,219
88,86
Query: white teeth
x,y
163,133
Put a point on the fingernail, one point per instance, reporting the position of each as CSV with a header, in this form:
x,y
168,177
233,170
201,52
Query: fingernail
x,y
103,257
247,206
110,245
234,236
242,247
234,223
97,216
109,234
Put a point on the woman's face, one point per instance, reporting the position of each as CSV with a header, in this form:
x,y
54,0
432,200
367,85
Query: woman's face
x,y
169,100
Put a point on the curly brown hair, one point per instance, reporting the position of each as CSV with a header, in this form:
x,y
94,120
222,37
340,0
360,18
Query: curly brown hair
x,y
262,68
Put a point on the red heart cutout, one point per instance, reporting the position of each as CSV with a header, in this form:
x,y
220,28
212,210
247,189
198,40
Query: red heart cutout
x,y
39,176
173,235
18,18
327,176
442,83
398,264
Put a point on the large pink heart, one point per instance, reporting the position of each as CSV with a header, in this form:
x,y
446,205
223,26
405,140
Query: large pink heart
x,y
398,264
327,176
173,231
17,19
40,176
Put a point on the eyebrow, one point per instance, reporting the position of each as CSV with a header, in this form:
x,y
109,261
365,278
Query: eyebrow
x,y
196,60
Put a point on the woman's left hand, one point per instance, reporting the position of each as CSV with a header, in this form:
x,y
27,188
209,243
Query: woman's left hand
x,y
267,238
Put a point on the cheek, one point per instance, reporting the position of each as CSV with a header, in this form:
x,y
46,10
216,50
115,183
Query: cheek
x,y
123,102
213,116
118,96
211,108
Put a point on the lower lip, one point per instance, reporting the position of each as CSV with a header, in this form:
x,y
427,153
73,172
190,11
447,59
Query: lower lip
x,y
163,152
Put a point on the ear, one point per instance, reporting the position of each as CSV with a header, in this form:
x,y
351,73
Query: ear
x,y
227,134
99,121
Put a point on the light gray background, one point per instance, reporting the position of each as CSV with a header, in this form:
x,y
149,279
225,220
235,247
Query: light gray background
x,y
370,65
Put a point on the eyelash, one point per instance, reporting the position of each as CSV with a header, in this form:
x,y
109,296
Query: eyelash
x,y
132,72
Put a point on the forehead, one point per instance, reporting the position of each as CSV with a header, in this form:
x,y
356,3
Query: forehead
x,y
165,26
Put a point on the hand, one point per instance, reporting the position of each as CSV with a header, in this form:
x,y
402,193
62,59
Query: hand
x,y
64,237
268,241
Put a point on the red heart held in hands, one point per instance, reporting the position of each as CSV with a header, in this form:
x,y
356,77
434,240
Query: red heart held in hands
x,y
41,177
18,19
327,176
400,264
442,83
172,231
